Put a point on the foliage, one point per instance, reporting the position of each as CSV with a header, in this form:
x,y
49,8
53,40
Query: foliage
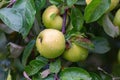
x,y
90,26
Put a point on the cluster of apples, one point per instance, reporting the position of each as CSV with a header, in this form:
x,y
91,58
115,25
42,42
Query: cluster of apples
x,y
51,42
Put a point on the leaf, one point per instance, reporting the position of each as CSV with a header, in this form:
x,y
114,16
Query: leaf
x,y
81,2
79,39
34,67
56,2
55,66
109,27
70,3
39,4
27,9
95,10
5,28
95,76
101,45
15,50
77,19
27,51
74,73
42,59
12,18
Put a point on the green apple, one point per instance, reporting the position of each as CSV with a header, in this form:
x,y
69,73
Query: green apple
x,y
113,4
50,43
51,18
75,53
116,19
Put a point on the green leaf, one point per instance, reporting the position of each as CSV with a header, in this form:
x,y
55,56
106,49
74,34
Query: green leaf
x,y
42,59
39,4
12,18
27,51
55,66
95,10
71,2
27,9
81,2
74,73
95,76
34,67
56,2
109,27
77,19
79,39
101,45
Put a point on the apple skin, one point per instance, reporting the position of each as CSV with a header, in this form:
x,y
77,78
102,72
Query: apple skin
x,y
75,53
113,4
50,43
116,19
51,18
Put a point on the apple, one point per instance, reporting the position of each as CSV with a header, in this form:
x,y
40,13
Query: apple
x,y
51,18
50,43
116,19
75,53
113,4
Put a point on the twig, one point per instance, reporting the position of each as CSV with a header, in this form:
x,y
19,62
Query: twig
x,y
56,77
11,3
64,21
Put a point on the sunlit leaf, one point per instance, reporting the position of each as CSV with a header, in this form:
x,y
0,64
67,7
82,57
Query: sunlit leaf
x,y
95,10
74,73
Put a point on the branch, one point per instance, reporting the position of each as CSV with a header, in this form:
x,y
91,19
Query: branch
x,y
64,21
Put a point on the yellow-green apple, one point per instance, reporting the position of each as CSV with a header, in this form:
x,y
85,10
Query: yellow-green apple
x,y
113,4
50,43
51,18
75,53
116,19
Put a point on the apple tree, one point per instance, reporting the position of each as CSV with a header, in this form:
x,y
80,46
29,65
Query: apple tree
x,y
59,39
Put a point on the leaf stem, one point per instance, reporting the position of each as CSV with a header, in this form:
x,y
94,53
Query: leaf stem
x,y
64,21
11,3
56,77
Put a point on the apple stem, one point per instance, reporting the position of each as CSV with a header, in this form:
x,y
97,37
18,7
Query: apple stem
x,y
64,21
